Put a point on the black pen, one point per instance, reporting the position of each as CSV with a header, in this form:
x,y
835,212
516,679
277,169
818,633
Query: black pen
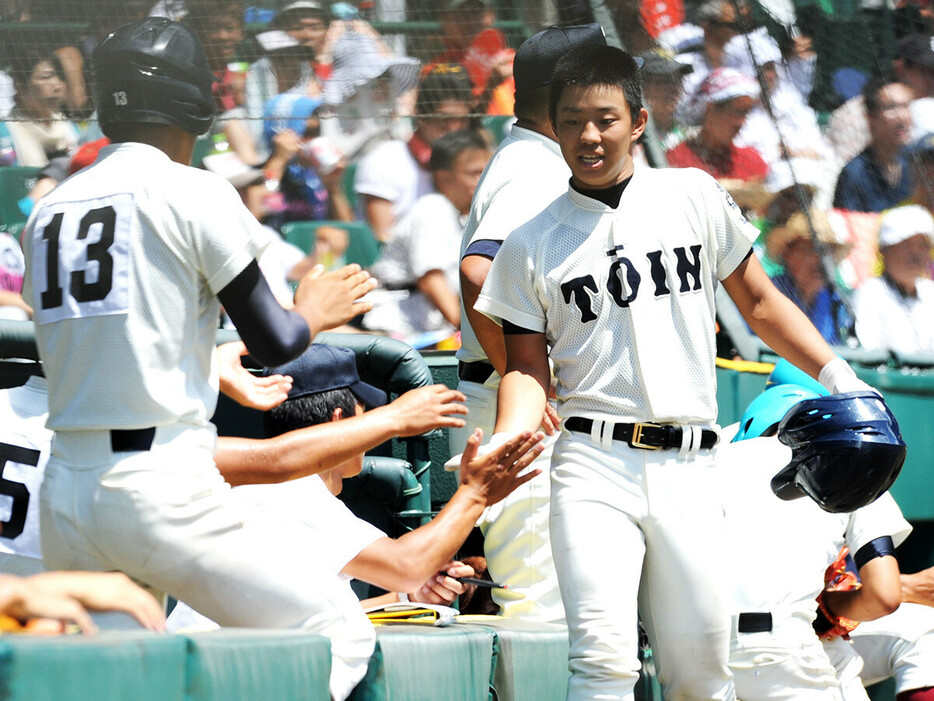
x,y
479,582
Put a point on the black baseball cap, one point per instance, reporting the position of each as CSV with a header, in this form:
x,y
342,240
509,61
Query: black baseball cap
x,y
661,61
536,57
322,368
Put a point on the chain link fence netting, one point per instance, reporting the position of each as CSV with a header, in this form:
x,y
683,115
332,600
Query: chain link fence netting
x,y
346,76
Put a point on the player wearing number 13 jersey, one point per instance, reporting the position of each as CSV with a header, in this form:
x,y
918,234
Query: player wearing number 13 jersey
x,y
128,261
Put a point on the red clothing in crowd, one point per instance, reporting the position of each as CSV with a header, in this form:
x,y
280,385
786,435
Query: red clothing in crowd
x,y
740,162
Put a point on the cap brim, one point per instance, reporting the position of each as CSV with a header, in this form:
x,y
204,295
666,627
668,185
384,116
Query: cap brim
x,y
368,394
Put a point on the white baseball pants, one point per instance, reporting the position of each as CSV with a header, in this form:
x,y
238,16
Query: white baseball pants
x,y
630,524
787,663
899,645
167,519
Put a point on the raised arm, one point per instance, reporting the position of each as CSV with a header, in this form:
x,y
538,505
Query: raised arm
x,y
314,449
407,563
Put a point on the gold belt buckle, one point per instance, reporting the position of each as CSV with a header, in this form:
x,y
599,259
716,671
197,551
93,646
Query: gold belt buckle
x,y
636,440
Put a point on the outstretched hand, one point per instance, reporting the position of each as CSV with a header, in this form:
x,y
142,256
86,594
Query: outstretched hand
x,y
426,408
102,591
328,300
245,388
501,470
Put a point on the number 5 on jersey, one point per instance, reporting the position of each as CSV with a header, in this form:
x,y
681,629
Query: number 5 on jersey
x,y
81,259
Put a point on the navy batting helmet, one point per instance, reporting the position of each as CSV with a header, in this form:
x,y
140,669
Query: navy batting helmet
x,y
847,451
153,71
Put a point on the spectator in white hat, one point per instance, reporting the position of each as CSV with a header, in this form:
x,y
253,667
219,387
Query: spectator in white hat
x,y
895,311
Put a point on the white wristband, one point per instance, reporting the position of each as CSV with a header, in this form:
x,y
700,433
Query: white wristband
x,y
838,377
403,598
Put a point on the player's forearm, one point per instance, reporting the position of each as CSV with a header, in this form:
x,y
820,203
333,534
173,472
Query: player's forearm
x,y
522,398
435,287
918,588
406,563
523,391
306,451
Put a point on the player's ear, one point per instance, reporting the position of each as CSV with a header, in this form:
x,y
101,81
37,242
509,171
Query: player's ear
x,y
639,123
337,414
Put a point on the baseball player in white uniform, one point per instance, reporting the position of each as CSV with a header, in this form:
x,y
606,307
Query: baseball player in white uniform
x,y
774,653
24,450
125,263
525,174
614,284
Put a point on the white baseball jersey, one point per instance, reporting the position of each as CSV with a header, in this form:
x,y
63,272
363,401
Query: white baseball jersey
x,y
25,444
427,238
783,568
524,176
625,297
336,534
391,173
124,287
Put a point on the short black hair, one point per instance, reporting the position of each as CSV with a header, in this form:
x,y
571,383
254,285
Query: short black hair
x,y
308,410
533,103
23,59
586,66
445,81
872,89
446,149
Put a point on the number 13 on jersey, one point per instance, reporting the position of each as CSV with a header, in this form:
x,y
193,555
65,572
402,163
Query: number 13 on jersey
x,y
81,258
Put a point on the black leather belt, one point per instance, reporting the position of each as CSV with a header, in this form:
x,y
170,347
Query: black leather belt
x,y
645,436
128,441
477,371
754,623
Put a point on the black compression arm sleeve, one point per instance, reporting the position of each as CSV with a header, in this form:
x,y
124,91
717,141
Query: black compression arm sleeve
x,y
273,335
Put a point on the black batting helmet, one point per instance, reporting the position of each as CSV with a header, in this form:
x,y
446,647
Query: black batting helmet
x,y
847,451
153,71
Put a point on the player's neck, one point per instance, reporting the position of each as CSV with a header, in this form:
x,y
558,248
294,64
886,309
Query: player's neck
x,y
539,126
610,196
174,142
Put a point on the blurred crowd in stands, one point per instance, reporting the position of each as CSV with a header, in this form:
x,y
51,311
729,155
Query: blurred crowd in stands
x,y
325,123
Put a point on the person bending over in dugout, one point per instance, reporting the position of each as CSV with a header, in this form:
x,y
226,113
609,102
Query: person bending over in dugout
x,y
327,389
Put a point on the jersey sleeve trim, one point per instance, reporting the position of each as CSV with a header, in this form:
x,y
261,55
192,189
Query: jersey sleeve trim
x,y
485,248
